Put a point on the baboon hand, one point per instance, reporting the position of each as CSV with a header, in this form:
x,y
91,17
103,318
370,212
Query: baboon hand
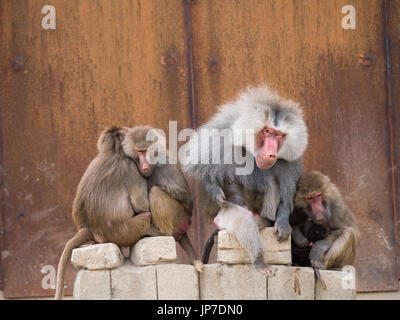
x,y
301,241
282,230
220,198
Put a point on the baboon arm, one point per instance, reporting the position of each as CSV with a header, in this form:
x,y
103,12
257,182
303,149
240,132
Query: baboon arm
x,y
321,247
299,239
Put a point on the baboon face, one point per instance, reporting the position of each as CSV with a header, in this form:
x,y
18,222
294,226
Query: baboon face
x,y
136,146
145,168
267,144
317,208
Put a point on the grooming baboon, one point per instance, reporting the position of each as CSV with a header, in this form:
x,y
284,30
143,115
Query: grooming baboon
x,y
170,199
112,201
279,136
318,199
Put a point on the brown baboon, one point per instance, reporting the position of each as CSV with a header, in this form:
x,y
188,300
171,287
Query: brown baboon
x,y
170,199
111,202
318,199
267,131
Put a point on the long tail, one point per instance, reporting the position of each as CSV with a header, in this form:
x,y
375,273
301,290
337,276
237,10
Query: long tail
x,y
80,238
208,246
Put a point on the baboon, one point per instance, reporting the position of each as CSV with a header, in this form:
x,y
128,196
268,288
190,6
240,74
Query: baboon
x,y
318,199
271,135
112,203
171,202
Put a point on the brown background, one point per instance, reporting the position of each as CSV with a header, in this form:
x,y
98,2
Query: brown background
x,y
130,62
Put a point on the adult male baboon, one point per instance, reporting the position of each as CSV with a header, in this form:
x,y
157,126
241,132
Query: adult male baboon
x,y
279,137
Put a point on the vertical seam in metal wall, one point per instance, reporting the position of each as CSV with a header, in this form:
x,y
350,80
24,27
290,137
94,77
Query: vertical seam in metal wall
x,y
2,204
191,100
389,109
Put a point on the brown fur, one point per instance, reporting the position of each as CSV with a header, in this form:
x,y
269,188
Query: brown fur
x,y
339,247
171,203
111,203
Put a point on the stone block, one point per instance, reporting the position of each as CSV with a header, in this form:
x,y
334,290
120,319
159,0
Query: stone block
x,y
340,284
177,282
97,257
291,283
232,282
92,285
231,252
154,250
134,283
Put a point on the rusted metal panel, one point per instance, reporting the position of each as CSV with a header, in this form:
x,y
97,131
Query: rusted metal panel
x,y
302,51
108,62
393,17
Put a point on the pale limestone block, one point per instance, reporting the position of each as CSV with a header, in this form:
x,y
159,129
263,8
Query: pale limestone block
x,y
231,252
97,257
340,284
291,283
134,283
154,250
232,282
92,285
177,282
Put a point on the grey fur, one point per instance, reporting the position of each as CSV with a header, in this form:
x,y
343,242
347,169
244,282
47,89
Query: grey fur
x,y
254,108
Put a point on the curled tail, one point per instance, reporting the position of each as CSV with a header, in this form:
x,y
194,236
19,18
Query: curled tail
x,y
78,239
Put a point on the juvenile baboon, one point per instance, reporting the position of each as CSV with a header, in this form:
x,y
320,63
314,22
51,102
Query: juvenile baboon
x,y
279,136
170,198
318,199
113,204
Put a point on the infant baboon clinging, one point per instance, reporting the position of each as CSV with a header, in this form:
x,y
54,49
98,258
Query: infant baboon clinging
x,y
279,136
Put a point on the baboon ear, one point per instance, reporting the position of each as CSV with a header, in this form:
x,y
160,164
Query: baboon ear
x,y
111,139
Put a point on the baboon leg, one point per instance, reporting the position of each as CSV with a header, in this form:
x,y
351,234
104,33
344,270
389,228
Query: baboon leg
x,y
128,232
168,215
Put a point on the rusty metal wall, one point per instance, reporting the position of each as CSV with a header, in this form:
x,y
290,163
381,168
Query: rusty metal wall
x,y
133,62
393,44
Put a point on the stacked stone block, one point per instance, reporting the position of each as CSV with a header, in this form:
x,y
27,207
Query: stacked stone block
x,y
152,273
